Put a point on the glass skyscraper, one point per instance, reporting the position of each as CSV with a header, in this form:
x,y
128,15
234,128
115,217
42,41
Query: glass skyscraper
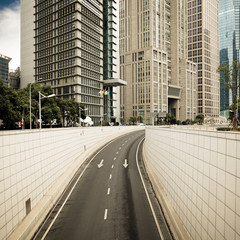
x,y
229,42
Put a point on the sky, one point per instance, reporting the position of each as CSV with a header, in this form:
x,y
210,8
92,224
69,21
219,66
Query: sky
x,y
10,31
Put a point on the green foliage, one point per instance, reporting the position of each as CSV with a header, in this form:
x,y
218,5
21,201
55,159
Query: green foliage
x,y
140,119
8,107
15,107
170,119
133,120
199,119
229,75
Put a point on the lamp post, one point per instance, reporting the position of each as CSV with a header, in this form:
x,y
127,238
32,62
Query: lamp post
x,y
41,96
30,101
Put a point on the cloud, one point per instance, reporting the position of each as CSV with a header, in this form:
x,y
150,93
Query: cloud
x,y
10,33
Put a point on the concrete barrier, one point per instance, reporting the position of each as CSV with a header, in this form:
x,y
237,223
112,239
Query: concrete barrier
x,y
35,168
196,174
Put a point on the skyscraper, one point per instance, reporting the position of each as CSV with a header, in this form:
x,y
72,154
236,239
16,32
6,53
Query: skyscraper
x,y
4,69
153,61
203,49
229,42
70,53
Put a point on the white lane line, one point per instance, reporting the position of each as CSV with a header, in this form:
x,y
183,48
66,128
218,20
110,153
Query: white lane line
x,y
110,177
108,192
112,166
116,152
43,237
149,201
105,214
123,144
114,158
120,148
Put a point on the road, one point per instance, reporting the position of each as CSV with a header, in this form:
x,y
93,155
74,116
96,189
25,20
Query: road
x,y
106,200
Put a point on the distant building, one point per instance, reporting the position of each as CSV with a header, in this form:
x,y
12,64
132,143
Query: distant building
x,y
203,49
14,79
4,69
229,42
153,61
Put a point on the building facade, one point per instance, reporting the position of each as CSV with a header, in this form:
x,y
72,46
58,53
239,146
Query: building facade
x,y
203,49
229,42
4,69
153,60
27,43
72,55
14,79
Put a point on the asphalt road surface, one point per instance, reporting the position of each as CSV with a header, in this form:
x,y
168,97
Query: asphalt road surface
x,y
106,200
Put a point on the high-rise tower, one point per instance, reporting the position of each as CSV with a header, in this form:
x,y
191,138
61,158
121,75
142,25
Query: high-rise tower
x,y
71,53
229,42
69,50
203,49
153,60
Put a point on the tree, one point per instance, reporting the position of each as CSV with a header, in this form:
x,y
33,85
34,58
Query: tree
x,y
133,120
23,105
229,76
200,119
140,119
8,107
69,111
231,113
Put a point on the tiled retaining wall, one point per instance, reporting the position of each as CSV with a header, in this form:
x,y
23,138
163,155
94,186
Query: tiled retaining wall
x,y
199,171
32,161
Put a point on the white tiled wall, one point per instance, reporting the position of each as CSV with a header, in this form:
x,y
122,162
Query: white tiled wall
x,y
200,173
31,161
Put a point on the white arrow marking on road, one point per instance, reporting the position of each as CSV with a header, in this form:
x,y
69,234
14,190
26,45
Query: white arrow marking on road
x,y
100,164
125,163
105,214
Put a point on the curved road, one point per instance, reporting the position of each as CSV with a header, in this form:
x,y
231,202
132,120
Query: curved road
x,y
106,200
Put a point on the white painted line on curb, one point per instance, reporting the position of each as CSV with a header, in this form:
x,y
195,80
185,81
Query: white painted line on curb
x,y
149,201
105,214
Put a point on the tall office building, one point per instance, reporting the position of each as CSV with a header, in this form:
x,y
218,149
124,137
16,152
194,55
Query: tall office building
x,y
203,49
68,51
4,69
153,61
229,42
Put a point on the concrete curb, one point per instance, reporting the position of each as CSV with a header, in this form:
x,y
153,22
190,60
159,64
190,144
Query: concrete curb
x,y
26,229
175,224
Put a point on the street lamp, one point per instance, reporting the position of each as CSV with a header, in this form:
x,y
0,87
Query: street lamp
x,y
30,101
41,96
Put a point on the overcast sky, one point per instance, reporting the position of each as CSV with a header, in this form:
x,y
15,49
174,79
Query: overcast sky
x,y
10,31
